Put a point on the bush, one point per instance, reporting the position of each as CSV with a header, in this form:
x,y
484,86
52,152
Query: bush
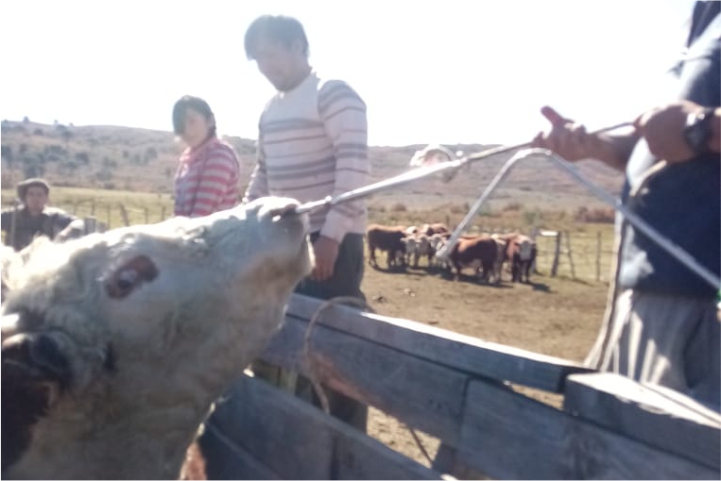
x,y
82,157
458,209
601,215
399,207
512,207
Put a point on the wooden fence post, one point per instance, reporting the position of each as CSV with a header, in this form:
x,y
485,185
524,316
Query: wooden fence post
x,y
90,225
124,213
570,256
598,256
147,219
92,207
556,255
162,213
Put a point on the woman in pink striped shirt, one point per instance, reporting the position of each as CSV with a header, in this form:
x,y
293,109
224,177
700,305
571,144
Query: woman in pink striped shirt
x,y
206,180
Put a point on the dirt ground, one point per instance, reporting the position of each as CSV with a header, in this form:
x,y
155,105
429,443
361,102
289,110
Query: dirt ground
x,y
553,316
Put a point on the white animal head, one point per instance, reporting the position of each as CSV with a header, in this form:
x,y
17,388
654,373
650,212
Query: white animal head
x,y
424,243
524,248
136,331
436,241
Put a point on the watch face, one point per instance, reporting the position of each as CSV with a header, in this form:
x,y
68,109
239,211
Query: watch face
x,y
697,132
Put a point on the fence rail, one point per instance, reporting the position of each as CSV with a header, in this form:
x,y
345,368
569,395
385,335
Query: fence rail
x,y
456,388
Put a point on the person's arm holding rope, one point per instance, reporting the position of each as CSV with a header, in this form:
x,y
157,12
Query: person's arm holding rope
x,y
571,141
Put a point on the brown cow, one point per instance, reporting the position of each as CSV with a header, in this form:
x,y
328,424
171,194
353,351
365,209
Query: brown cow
x,y
430,229
388,239
479,252
521,252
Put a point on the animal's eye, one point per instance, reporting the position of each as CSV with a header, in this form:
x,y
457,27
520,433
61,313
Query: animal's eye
x,y
127,279
129,276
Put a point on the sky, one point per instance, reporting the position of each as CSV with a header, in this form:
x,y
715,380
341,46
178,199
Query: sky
x,y
451,71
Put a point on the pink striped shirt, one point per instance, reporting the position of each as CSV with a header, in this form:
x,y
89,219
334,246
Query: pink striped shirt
x,y
207,179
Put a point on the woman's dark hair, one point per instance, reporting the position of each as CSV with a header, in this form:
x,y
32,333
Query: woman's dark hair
x,y
279,28
181,108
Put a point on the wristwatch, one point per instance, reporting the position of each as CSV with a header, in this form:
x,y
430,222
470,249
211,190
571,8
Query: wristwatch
x,y
698,130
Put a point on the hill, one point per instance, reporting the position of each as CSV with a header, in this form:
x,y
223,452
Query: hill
x,y
141,160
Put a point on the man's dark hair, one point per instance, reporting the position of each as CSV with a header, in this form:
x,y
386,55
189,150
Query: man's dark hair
x,y
181,108
279,28
23,187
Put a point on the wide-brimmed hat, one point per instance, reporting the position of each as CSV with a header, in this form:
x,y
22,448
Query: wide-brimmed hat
x,y
35,182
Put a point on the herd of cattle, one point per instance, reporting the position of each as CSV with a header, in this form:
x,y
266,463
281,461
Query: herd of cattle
x,y
484,253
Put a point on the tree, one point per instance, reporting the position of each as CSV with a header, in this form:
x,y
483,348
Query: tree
x,y
151,153
7,153
68,167
82,157
26,120
33,167
65,134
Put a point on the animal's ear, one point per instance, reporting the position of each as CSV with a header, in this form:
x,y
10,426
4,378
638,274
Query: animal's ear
x,y
34,375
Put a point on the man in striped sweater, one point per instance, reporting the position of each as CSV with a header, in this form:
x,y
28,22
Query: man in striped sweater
x,y
313,143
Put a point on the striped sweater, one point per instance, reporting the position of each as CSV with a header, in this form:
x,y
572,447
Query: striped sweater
x,y
207,179
312,143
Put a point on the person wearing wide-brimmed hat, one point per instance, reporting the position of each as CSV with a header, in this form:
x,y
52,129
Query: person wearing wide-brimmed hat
x,y
33,218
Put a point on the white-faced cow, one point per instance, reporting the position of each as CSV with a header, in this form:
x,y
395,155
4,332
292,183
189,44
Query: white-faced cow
x,y
115,345
521,252
417,246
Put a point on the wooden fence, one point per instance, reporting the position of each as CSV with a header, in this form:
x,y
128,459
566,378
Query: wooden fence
x,y
117,214
578,255
461,390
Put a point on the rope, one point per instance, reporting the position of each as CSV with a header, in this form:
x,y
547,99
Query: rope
x,y
318,388
343,300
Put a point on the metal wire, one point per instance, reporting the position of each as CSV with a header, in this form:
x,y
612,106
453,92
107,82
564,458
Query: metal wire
x,y
420,173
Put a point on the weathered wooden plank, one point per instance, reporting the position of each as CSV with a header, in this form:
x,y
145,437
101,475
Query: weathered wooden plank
x,y
444,347
448,461
224,459
654,415
259,418
508,435
418,392
299,441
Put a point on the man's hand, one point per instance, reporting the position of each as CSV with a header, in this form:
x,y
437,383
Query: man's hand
x,y
326,253
566,138
663,127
